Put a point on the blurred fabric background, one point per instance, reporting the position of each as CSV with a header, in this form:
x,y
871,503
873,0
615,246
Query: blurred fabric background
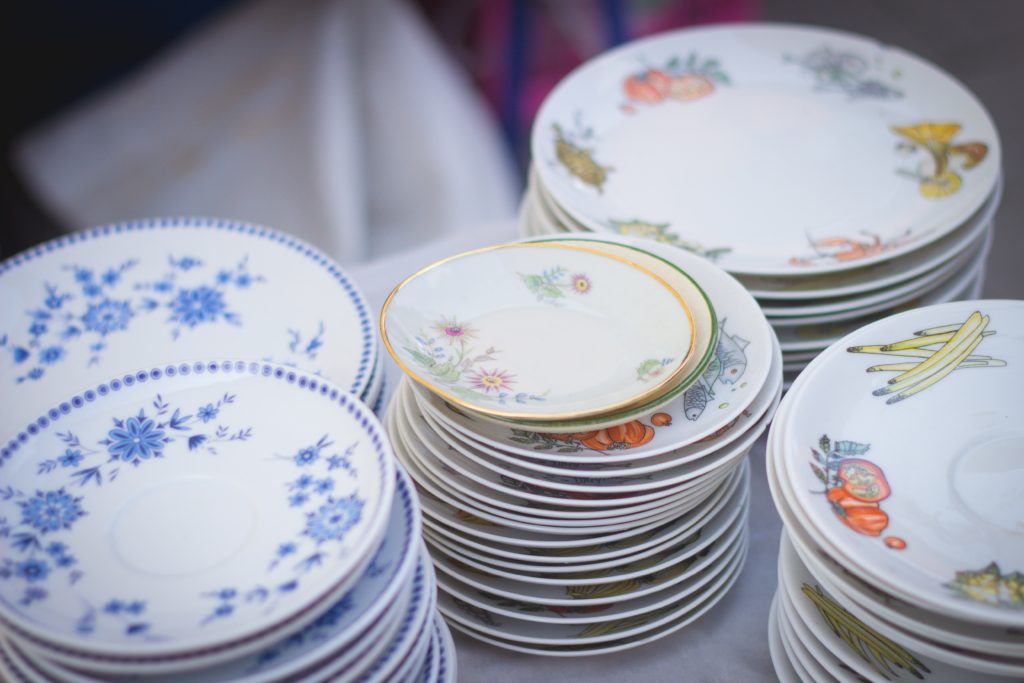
x,y
370,126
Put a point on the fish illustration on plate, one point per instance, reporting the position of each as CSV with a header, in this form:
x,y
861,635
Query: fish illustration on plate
x,y
728,365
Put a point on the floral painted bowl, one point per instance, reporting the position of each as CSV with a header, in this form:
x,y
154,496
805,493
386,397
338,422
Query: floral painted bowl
x,y
541,332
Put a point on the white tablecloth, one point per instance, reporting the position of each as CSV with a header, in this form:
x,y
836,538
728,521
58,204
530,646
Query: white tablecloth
x,y
728,644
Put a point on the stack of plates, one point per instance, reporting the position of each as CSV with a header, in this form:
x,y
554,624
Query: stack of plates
x,y
581,464
896,464
838,179
201,518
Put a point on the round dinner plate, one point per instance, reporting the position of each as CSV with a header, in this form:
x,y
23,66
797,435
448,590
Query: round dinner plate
x,y
917,480
79,309
883,273
851,132
178,512
819,336
518,331
845,309
604,554
693,591
705,325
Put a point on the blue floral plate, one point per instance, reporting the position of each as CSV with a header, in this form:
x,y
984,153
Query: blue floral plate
x,y
77,310
189,511
342,631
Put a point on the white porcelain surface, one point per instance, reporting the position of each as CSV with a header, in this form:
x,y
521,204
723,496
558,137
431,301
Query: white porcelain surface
x,y
829,122
519,331
559,458
881,274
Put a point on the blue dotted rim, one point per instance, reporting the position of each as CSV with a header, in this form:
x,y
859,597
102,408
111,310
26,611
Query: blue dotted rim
x,y
316,385
367,352
404,638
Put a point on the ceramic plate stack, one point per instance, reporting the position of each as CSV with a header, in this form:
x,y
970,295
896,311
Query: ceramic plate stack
x,y
558,525
896,464
838,179
205,519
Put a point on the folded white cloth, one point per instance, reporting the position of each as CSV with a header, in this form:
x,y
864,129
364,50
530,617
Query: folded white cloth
x,y
342,121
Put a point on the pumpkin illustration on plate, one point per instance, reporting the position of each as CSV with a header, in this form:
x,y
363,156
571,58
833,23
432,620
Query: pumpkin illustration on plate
x,y
648,86
681,80
629,435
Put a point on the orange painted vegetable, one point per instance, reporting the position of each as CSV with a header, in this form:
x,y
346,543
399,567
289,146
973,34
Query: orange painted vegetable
x,y
649,86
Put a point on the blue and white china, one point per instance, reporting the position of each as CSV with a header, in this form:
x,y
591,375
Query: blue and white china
x,y
79,309
345,626
415,621
447,666
189,512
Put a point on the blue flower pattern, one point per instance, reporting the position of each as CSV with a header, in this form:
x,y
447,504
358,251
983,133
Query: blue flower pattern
x,y
96,303
43,514
48,511
326,519
129,612
30,558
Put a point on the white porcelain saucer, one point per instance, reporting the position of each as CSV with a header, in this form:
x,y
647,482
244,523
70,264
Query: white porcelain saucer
x,y
934,438
76,310
104,493
517,331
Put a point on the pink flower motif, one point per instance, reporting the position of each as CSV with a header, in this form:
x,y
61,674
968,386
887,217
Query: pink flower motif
x,y
581,283
454,331
491,380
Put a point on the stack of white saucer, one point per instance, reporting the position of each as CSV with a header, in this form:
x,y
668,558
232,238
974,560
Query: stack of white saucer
x,y
579,538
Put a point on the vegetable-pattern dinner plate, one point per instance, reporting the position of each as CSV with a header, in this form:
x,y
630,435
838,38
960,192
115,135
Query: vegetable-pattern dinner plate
x,y
767,147
539,332
883,273
177,511
917,479
79,309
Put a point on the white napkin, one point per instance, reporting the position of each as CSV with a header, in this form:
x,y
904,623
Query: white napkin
x,y
342,121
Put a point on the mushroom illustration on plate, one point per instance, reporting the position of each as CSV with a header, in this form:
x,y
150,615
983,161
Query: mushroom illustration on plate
x,y
937,174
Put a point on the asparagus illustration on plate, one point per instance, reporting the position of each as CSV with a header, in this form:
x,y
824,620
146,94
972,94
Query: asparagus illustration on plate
x,y
931,355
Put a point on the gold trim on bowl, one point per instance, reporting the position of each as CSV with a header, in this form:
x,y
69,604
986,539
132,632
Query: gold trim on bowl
x,y
645,397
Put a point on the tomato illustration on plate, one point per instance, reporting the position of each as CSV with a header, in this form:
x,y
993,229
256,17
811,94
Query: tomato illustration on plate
x,y
854,487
